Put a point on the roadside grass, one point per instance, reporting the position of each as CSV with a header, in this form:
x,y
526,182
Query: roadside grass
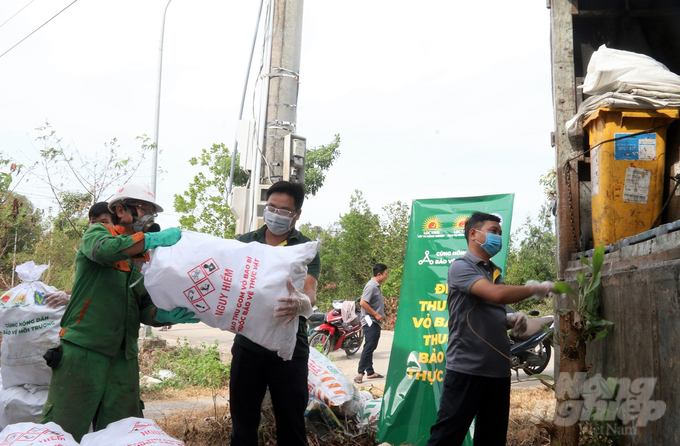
x,y
186,371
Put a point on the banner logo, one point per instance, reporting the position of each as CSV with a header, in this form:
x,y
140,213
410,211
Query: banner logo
x,y
431,224
459,225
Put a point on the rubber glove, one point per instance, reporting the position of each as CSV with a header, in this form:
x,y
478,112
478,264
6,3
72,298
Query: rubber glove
x,y
297,304
58,299
518,322
541,290
179,315
166,237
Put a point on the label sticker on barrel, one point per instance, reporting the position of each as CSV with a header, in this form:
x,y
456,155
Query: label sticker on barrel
x,y
635,147
636,187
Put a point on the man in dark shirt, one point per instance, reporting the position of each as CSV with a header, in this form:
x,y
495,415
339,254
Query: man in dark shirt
x,y
254,368
477,380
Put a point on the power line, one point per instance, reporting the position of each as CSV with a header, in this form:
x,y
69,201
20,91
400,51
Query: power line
x,y
35,30
1,25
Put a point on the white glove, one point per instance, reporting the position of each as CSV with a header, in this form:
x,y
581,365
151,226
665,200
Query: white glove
x,y
541,290
518,323
58,299
295,305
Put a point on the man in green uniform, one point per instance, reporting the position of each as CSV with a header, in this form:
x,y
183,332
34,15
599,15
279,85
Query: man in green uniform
x,y
253,367
95,370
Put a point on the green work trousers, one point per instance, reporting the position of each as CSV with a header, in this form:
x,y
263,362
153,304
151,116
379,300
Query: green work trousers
x,y
86,383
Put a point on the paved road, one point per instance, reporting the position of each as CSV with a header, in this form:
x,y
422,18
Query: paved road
x,y
198,333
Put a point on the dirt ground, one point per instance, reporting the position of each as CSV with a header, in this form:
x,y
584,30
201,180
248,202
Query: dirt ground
x,y
208,423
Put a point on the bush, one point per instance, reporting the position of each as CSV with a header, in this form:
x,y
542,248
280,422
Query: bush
x,y
190,366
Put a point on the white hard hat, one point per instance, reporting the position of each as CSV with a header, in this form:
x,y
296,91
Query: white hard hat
x,y
133,191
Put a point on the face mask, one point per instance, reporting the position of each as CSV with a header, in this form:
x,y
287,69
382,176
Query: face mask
x,y
493,244
143,224
146,224
277,224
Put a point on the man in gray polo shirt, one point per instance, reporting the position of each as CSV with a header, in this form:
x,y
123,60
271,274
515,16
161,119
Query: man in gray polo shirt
x,y
372,317
477,381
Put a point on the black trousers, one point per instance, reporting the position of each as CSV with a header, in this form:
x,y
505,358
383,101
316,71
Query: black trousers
x,y
251,374
466,396
371,338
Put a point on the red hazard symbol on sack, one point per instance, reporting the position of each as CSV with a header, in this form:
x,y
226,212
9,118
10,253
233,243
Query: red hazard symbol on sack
x,y
192,293
209,266
205,287
11,437
141,426
200,305
29,435
197,274
203,270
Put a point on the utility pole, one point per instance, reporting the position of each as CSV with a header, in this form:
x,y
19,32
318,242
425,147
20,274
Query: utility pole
x,y
283,153
283,85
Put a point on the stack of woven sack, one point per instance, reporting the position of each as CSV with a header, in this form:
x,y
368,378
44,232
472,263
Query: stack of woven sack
x,y
29,329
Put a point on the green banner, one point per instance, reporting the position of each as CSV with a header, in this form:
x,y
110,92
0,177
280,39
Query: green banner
x,y
418,360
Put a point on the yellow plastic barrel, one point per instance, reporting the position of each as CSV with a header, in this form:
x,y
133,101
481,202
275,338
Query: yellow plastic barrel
x,y
627,170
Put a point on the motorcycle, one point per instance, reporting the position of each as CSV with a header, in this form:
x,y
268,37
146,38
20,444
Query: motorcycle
x,y
531,350
334,335
313,321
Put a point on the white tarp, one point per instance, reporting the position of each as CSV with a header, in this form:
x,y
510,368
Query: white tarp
x,y
622,79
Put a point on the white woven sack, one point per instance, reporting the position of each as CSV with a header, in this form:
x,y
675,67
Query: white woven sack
x,y
22,404
29,329
331,386
32,434
231,285
370,412
130,432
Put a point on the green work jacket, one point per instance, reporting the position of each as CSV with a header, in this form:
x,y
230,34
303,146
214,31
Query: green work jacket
x,y
104,313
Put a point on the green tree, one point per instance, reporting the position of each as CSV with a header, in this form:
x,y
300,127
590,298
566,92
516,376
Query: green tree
x,y
394,229
58,249
532,252
358,246
330,276
204,205
19,221
350,248
319,160
73,212
20,230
